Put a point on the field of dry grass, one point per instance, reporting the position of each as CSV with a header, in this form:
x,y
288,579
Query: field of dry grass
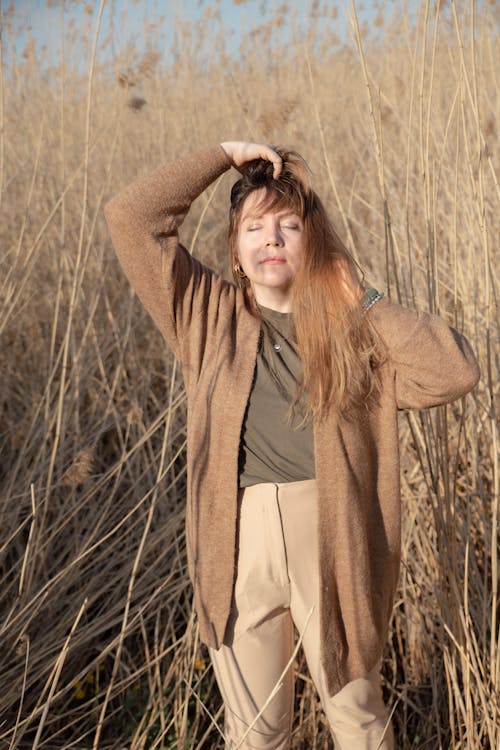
x,y
98,644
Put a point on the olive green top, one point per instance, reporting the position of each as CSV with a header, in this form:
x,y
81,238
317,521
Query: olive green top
x,y
276,445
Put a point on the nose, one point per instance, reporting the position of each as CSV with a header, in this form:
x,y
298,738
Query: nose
x,y
274,237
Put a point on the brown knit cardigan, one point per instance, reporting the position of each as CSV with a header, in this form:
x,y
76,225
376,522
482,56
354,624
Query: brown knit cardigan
x,y
206,323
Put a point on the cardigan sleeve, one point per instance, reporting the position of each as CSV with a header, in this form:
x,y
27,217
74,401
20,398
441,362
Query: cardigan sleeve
x,y
143,221
433,363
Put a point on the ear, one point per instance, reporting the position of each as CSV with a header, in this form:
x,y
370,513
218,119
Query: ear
x,y
239,270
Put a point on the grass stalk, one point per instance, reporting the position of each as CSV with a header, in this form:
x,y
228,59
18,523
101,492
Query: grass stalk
x,y
350,240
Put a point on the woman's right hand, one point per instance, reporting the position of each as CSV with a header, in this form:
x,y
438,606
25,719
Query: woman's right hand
x,y
241,152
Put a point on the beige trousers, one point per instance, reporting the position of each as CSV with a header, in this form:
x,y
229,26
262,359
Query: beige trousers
x,y
276,592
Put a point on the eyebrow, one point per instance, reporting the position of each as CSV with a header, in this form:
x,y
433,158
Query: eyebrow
x,y
253,217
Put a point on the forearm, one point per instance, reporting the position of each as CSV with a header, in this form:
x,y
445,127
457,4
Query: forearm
x,y
157,203
433,363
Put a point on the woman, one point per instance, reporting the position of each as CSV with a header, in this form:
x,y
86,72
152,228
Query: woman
x,y
294,375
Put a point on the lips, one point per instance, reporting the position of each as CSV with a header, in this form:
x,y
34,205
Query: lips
x,y
273,260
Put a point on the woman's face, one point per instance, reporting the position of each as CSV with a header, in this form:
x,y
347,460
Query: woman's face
x,y
270,250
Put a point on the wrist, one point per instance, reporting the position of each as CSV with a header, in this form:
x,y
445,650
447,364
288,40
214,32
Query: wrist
x,y
226,147
370,297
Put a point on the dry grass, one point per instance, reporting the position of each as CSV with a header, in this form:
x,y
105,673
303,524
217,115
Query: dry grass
x,y
98,643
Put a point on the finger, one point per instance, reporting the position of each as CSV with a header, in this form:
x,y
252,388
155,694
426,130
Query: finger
x,y
278,164
276,160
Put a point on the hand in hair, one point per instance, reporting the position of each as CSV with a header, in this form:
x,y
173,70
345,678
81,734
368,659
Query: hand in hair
x,y
241,152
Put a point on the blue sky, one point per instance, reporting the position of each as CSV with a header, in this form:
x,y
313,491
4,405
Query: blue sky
x,y
41,19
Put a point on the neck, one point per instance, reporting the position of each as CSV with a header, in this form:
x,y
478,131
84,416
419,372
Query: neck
x,y
274,299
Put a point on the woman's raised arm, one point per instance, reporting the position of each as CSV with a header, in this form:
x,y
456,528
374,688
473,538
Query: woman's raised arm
x,y
143,221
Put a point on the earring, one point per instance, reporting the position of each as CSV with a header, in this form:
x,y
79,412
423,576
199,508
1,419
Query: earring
x,y
239,271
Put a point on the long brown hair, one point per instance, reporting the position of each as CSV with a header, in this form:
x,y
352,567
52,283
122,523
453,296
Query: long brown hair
x,y
340,351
